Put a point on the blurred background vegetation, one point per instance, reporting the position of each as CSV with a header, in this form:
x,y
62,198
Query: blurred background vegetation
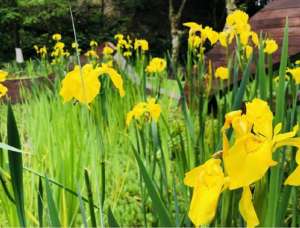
x,y
24,23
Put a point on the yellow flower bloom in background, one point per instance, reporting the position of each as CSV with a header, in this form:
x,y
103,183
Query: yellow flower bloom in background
x,y
222,73
75,45
247,209
248,51
81,84
210,34
3,75
3,89
255,39
294,178
226,38
119,36
114,76
43,51
56,37
194,41
156,65
297,62
295,74
150,110
141,44
244,37
93,43
107,50
127,54
91,54
59,45
193,26
208,182
237,17
270,46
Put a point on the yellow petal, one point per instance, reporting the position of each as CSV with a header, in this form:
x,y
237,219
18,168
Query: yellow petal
x,y
208,182
247,209
204,204
247,161
3,75
294,178
3,90
284,136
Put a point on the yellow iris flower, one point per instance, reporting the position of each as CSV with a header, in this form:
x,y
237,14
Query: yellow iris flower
x,y
156,65
56,37
81,84
150,109
255,141
115,77
270,46
295,73
208,182
141,44
222,73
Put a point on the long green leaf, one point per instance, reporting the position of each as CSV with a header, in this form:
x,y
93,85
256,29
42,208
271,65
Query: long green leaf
x,y
158,204
112,222
82,208
90,198
53,214
241,91
16,165
272,218
40,202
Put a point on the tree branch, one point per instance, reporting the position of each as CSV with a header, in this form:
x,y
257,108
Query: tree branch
x,y
171,9
180,10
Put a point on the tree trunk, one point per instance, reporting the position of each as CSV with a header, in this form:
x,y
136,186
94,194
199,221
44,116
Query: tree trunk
x,y
230,6
175,32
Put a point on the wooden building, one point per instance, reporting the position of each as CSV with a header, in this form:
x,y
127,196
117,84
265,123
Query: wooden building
x,y
271,20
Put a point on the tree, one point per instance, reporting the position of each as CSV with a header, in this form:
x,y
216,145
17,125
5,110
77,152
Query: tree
x,y
176,33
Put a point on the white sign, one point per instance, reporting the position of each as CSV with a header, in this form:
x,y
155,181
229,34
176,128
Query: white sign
x,y
19,55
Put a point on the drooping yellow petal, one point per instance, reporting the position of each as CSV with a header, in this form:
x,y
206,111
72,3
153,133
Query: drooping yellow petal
x,y
208,182
247,209
204,204
247,161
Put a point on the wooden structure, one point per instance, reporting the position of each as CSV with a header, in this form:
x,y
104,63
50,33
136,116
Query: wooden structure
x,y
271,21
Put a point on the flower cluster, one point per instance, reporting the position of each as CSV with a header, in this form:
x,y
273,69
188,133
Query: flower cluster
x,y
237,26
222,73
92,53
42,51
141,44
156,65
59,51
198,35
150,110
246,161
124,45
